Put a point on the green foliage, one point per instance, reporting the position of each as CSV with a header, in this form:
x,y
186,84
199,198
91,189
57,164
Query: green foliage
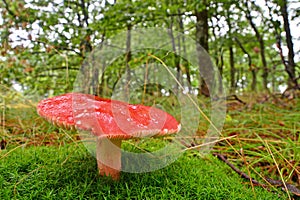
x,y
44,43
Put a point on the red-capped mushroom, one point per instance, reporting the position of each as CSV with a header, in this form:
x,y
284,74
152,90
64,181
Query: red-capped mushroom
x,y
110,120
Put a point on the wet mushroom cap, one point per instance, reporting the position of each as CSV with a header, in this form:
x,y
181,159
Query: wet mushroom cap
x,y
106,117
110,120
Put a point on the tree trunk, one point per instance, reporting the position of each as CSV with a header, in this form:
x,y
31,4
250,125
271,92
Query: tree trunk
x,y
253,71
218,54
128,58
206,76
254,80
290,68
264,63
176,56
260,39
202,26
232,70
183,45
231,55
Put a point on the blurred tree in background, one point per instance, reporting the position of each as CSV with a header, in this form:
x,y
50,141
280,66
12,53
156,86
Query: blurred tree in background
x,y
44,44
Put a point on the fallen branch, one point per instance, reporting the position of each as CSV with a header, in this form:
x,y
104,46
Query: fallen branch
x,y
291,188
235,97
242,174
230,98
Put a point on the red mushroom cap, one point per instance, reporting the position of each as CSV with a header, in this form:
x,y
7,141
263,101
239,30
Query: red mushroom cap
x,y
106,117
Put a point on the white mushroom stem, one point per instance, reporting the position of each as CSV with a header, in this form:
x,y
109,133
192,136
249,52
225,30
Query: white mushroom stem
x,y
109,157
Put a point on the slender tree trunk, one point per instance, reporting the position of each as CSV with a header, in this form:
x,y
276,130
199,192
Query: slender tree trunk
x,y
231,54
240,75
264,63
254,80
253,71
218,55
262,47
220,64
206,76
220,67
202,27
232,70
89,71
176,57
183,45
291,66
128,58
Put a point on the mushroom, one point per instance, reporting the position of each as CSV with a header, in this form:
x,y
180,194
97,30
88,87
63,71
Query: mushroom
x,y
111,121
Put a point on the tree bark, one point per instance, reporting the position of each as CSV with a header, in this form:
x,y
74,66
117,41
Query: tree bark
x,y
291,66
232,70
206,76
183,45
260,39
202,26
176,56
253,71
128,58
231,56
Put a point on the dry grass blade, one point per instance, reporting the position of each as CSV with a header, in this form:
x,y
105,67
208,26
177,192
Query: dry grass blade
x,y
5,155
196,105
276,164
208,143
246,164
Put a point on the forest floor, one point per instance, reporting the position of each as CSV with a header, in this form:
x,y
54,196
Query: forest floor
x,y
257,157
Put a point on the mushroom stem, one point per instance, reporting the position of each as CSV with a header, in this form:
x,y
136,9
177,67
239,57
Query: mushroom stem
x,y
109,157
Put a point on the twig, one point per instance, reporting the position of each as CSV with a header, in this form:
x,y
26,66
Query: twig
x,y
236,98
277,167
278,183
293,189
231,97
243,175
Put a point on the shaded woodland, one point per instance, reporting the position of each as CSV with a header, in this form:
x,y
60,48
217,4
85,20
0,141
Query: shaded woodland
x,y
44,43
48,48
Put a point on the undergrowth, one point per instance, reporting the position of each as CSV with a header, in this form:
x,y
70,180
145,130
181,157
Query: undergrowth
x,y
261,138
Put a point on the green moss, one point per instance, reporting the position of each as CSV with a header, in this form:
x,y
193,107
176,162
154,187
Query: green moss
x,y
70,172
